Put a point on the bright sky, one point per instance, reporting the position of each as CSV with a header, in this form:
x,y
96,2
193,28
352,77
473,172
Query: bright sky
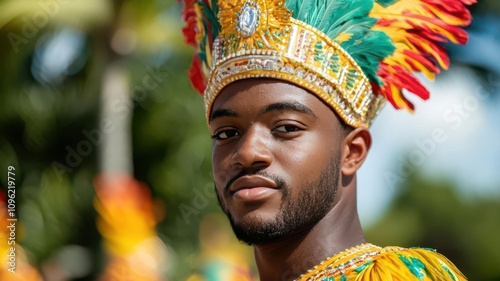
x,y
455,134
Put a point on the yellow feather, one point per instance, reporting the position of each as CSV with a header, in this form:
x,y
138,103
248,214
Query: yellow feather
x,y
343,37
400,103
416,7
209,54
447,19
435,55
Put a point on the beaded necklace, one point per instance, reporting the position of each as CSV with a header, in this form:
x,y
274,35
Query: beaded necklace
x,y
343,263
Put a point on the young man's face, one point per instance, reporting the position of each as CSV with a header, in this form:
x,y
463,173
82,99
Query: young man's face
x,y
275,158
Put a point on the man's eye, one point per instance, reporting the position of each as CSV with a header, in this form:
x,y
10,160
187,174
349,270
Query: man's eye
x,y
287,129
226,134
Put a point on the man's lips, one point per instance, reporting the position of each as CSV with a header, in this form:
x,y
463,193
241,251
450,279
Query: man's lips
x,y
253,181
252,188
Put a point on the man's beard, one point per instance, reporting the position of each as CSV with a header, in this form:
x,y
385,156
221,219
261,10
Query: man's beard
x,y
296,214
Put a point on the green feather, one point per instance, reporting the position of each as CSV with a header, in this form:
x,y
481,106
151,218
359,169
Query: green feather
x,y
353,27
328,15
317,14
386,3
292,6
341,11
368,50
216,25
305,10
211,17
210,25
332,12
337,17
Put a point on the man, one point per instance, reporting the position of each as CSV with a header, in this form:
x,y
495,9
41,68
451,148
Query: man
x,y
290,90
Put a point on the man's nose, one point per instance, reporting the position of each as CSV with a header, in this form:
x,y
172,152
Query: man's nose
x,y
253,149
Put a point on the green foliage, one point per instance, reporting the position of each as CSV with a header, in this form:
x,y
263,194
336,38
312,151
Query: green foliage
x,y
45,125
172,154
432,214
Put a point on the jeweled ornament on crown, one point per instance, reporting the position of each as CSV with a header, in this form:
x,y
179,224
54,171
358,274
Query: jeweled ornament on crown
x,y
248,18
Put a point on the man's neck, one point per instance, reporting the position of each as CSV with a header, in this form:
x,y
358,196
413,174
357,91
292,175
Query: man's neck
x,y
286,260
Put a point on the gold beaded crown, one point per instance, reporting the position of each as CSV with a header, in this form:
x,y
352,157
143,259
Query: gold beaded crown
x,y
352,54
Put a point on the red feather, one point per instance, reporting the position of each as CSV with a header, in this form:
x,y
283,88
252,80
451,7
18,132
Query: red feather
x,y
412,57
439,52
191,28
400,79
432,25
453,8
418,34
196,75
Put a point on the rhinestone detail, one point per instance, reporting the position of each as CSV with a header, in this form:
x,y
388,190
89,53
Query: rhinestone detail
x,y
248,19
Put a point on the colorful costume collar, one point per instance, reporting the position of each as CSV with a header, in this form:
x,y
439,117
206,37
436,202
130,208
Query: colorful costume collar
x,y
370,262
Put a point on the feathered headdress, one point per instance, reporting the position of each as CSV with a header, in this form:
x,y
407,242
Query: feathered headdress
x,y
353,54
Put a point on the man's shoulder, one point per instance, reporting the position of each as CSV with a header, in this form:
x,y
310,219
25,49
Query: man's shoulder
x,y
412,264
370,262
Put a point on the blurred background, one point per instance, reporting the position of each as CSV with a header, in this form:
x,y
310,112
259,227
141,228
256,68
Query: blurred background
x,y
112,154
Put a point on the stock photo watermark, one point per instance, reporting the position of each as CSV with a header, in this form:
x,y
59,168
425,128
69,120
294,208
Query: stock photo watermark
x,y
31,26
92,138
201,199
454,117
11,219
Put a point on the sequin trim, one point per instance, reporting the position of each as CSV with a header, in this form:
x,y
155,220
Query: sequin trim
x,y
300,54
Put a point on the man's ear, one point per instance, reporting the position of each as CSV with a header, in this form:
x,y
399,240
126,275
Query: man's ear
x,y
355,149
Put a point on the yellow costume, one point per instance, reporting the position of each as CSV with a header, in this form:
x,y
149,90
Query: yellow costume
x,y
369,262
